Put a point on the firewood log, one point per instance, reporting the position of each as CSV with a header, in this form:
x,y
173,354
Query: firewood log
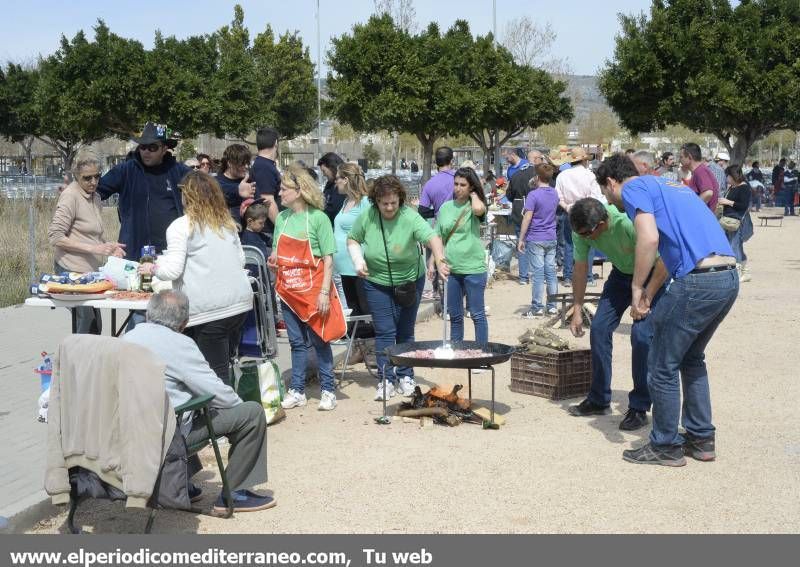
x,y
423,412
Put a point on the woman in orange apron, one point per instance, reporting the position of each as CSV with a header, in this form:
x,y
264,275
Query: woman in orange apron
x,y
303,247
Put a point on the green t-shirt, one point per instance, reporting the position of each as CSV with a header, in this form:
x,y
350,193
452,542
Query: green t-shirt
x,y
402,233
313,225
618,242
464,251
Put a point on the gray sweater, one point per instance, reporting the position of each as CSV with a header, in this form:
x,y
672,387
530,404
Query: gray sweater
x,y
188,375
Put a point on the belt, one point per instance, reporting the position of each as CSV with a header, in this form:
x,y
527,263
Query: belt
x,y
722,268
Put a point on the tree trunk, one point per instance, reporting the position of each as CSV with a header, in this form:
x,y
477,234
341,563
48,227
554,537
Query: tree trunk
x,y
427,155
27,145
394,153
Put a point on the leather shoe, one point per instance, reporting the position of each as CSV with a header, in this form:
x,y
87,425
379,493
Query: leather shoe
x,y
634,419
587,407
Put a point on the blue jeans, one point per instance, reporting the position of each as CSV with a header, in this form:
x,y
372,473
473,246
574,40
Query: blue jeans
x,y
473,286
542,256
393,324
300,336
683,323
788,201
524,267
569,259
614,301
735,238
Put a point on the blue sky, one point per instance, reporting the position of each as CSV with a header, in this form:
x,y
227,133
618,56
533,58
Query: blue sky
x,y
585,28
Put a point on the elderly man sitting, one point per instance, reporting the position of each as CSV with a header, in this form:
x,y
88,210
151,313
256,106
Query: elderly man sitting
x,y
188,375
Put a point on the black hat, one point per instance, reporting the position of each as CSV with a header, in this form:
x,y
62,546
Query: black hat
x,y
156,133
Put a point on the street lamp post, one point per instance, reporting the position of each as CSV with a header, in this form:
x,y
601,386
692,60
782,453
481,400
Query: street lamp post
x,y
319,88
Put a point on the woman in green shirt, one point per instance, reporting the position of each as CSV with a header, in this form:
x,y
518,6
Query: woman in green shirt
x,y
303,248
391,260
459,227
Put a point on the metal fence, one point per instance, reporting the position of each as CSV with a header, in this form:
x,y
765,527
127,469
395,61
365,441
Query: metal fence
x,y
29,186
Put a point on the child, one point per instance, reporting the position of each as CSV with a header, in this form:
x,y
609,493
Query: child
x,y
254,216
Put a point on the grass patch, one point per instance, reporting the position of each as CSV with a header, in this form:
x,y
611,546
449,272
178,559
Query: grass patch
x,y
15,245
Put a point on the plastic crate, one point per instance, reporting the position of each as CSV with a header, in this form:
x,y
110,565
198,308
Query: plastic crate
x,y
555,376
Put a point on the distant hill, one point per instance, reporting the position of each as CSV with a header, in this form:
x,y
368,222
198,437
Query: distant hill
x,y
586,96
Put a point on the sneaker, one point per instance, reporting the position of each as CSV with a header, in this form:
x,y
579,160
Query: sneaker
x,y
405,387
652,455
587,407
524,282
531,314
552,311
379,391
699,448
195,493
634,419
245,501
294,399
327,401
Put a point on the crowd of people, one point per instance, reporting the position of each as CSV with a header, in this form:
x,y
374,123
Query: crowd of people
x,y
673,235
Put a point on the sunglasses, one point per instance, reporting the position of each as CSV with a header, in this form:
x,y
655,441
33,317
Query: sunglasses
x,y
88,178
154,147
587,233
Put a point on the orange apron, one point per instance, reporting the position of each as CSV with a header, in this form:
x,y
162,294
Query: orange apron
x,y
299,281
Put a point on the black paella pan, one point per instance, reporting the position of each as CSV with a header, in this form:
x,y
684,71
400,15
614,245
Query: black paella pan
x,y
495,353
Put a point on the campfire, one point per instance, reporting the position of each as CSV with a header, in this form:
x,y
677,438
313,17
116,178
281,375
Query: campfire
x,y
444,406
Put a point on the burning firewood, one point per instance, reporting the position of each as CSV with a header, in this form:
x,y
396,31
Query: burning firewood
x,y
445,406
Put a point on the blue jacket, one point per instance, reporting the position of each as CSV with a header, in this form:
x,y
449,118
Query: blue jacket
x,y
129,180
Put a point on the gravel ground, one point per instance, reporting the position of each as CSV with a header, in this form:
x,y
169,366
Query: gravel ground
x,y
543,471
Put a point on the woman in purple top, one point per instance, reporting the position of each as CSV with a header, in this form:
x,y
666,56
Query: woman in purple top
x,y
538,240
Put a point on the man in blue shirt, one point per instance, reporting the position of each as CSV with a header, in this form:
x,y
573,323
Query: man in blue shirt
x,y
669,219
516,160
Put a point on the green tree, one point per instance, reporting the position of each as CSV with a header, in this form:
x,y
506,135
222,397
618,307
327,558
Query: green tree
x,y
382,78
19,120
730,71
89,90
372,155
268,83
186,150
176,89
499,98
285,88
599,127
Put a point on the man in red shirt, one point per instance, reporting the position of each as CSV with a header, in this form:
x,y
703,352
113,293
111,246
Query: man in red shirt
x,y
703,182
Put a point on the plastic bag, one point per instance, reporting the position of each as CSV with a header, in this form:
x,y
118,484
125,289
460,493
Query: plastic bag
x,y
118,270
260,381
502,252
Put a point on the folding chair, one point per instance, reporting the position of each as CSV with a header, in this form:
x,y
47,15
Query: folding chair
x,y
259,337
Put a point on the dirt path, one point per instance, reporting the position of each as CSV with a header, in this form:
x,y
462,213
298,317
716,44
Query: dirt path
x,y
544,471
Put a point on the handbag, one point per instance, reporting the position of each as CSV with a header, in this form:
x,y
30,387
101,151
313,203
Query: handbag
x,y
405,294
730,224
260,382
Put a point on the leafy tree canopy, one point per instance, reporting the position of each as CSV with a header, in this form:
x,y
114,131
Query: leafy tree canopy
x,y
730,71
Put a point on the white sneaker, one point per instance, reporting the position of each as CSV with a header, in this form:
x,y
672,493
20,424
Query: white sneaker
x,y
327,401
405,387
379,391
552,311
294,399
